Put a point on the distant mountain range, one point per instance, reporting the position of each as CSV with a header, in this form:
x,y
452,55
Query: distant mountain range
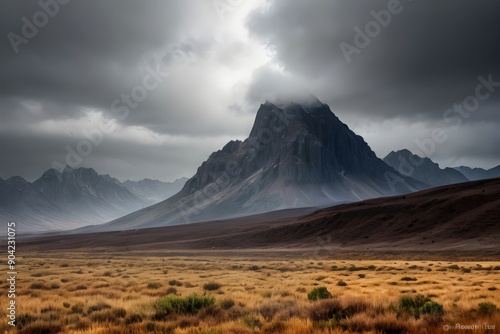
x,y
454,218
154,191
423,169
74,198
474,174
297,155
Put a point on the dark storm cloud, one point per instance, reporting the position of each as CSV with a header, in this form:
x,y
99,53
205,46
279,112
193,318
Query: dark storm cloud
x,y
427,57
90,54
86,62
397,82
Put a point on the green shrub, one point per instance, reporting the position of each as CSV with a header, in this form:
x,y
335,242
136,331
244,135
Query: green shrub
x,y
319,293
191,304
418,305
486,309
432,308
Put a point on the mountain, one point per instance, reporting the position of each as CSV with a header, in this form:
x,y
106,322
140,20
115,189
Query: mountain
x,y
87,194
65,200
474,174
154,191
441,221
297,155
423,169
21,203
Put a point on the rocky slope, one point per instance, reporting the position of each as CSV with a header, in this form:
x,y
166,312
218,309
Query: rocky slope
x,y
297,155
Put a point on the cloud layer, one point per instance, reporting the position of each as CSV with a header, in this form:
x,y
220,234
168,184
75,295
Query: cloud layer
x,y
177,80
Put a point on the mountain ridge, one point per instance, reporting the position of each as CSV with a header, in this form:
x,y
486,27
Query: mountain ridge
x,y
295,156
66,200
475,174
423,169
431,221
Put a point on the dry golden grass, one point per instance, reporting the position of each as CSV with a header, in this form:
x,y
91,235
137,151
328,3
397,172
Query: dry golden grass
x,y
79,293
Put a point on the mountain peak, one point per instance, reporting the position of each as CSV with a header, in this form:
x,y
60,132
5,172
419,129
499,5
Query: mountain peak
x,y
51,173
67,169
422,169
297,155
16,179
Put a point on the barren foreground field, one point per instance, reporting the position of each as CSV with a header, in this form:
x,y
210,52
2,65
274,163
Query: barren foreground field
x,y
82,293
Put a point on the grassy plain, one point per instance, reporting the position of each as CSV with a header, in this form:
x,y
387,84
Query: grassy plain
x,y
82,293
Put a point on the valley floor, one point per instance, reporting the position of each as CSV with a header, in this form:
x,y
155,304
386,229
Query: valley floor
x,y
76,292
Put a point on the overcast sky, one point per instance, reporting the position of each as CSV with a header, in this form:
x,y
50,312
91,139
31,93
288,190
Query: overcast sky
x,y
169,82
